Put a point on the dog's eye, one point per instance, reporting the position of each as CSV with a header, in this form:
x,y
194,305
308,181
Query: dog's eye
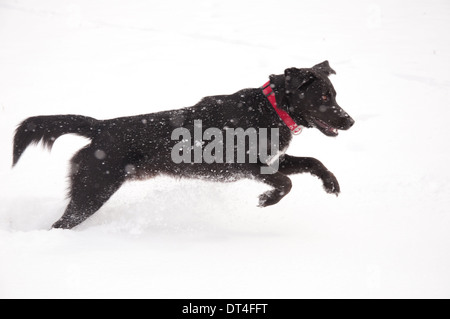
x,y
325,98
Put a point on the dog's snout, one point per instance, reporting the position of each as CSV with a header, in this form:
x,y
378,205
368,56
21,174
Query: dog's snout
x,y
351,121
345,119
346,122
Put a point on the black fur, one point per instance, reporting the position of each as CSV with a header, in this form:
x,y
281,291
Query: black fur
x,y
48,129
140,146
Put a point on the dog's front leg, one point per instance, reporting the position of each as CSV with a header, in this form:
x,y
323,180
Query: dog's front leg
x,y
297,165
281,187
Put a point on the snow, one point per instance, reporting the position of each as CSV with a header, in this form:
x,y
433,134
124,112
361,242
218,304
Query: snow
x,y
386,235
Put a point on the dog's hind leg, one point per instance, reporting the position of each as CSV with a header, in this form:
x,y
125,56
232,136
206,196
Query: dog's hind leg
x,y
296,165
281,187
94,179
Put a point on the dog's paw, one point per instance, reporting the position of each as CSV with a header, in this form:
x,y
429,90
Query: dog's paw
x,y
270,198
330,184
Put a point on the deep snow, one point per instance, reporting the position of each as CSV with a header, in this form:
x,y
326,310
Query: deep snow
x,y
386,235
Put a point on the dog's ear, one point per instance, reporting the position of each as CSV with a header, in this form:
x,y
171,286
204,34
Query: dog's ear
x,y
298,79
324,68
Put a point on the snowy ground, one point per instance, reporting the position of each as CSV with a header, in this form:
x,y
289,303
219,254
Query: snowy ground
x,y
387,235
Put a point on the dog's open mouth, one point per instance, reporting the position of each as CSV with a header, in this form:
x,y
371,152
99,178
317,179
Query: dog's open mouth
x,y
325,128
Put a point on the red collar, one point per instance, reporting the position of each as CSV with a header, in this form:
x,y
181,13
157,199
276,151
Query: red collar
x,y
268,92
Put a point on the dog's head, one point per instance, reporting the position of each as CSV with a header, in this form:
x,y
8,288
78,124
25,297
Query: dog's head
x,y
310,99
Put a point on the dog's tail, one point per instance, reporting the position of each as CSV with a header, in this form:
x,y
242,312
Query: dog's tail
x,y
48,129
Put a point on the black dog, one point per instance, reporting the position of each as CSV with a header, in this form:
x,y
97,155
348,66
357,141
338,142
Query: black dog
x,y
142,146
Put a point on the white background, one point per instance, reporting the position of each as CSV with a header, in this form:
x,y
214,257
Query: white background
x,y
386,235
